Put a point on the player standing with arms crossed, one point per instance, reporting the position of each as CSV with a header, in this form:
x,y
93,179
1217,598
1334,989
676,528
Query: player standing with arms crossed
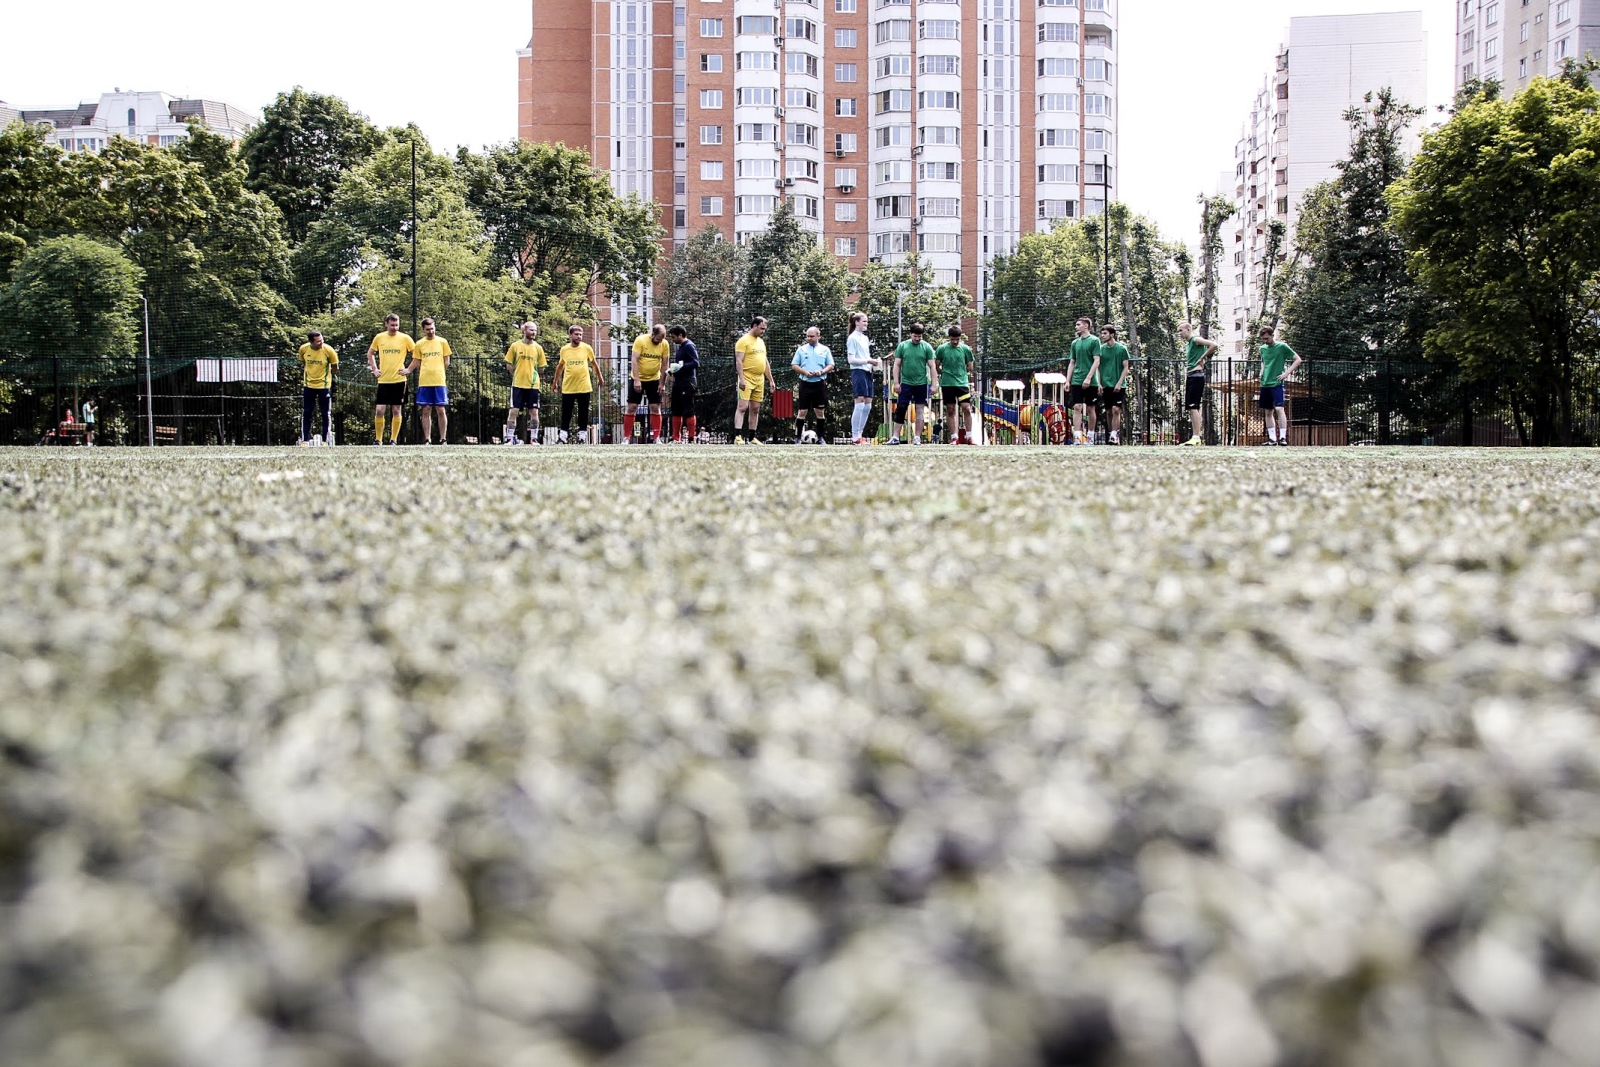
x,y
911,361
1274,354
755,377
954,362
1113,376
1083,369
813,362
858,354
317,361
577,360
650,355
388,358
685,384
432,357
1197,355
526,358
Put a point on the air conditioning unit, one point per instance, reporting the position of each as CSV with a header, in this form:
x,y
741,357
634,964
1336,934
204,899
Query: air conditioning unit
x,y
778,184
778,111
778,43
917,151
840,153
788,182
847,189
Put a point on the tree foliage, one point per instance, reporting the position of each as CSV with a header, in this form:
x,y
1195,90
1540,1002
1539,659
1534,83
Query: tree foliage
x,y
1040,290
796,284
300,152
74,298
879,288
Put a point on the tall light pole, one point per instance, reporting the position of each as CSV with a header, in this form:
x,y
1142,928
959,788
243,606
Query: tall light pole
x,y
149,405
1105,227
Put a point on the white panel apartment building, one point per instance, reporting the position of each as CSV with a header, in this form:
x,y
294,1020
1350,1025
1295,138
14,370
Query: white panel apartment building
x,y
949,128
1512,41
1296,133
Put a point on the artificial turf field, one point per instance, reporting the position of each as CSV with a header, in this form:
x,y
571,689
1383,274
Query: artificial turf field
x,y
860,757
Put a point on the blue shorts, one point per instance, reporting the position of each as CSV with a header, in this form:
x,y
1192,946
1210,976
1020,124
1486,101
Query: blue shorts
x,y
861,382
433,396
524,399
1271,397
913,394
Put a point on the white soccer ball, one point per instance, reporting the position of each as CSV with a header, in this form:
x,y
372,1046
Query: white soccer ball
x,y
809,437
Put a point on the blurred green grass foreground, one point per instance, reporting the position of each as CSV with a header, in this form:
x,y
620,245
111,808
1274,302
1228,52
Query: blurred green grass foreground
x,y
869,758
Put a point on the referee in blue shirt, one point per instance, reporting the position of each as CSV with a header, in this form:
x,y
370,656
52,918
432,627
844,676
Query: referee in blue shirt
x,y
813,362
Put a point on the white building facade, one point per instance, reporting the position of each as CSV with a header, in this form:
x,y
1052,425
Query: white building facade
x,y
1514,41
149,118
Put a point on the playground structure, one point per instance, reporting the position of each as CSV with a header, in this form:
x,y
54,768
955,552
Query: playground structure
x,y
1045,418
1002,412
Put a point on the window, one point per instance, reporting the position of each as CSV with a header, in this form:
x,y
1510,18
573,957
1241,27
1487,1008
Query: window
x,y
939,172
1100,40
1057,32
938,64
755,131
1283,205
1058,68
894,66
892,207
938,135
762,24
842,246
1058,3
1058,172
802,133
1491,15
844,107
939,99
1283,91
756,96
1281,177
895,30
805,98
938,242
887,244
680,83
711,27
679,49
1058,101
1094,174
755,61
893,3
1524,36
1057,209
1560,50
711,170
799,63
680,116
1096,141
800,29
805,206
1097,70
754,205
680,217
801,168
844,72
891,100
894,171
844,177
1522,68
710,205
844,212
680,16
939,207
938,30
844,38
844,142
711,99
1058,138
1094,5
889,136
756,168
1096,104
1563,12
711,135
1468,42
1491,48
844,7
710,64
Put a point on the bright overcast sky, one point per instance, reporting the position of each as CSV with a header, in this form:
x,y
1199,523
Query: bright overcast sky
x,y
1188,68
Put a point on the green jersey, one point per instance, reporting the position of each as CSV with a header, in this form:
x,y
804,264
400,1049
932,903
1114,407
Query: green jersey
x,y
914,357
953,361
1113,357
1193,354
1084,349
1273,359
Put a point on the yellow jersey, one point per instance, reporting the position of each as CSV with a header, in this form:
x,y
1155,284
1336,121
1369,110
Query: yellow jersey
x,y
752,362
432,355
393,350
652,357
317,366
525,360
575,368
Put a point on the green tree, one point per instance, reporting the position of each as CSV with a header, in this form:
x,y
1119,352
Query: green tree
x,y
796,284
300,152
32,183
75,299
1498,215
879,288
554,220
1214,211
700,289
1037,295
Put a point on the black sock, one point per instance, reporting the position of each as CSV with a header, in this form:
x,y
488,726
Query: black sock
x,y
799,430
822,428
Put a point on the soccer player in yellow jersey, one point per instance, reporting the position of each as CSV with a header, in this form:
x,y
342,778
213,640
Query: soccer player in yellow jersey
x,y
430,360
317,361
754,378
577,360
650,355
527,359
389,360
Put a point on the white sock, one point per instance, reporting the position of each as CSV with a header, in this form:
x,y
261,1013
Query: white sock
x,y
1272,433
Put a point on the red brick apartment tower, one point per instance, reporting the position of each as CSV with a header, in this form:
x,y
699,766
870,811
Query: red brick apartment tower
x,y
946,127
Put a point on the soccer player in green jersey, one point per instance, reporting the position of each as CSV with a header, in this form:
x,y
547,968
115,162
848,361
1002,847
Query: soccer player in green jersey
x,y
1276,368
953,361
1113,377
911,361
1197,357
1083,370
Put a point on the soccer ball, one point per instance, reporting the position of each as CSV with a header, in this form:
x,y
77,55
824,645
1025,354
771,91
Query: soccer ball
x,y
809,437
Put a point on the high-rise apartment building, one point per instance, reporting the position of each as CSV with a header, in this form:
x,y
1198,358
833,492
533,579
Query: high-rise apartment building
x,y
945,127
1296,134
1511,41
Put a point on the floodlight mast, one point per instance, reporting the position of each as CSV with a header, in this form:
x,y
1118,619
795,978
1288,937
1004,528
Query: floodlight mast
x,y
149,405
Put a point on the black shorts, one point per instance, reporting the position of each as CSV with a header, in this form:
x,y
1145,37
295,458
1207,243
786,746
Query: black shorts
x,y
390,394
1084,394
955,394
1114,398
1194,392
683,400
650,390
811,396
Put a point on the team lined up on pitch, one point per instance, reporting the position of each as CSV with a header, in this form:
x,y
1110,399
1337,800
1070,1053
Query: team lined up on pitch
x,y
1097,369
